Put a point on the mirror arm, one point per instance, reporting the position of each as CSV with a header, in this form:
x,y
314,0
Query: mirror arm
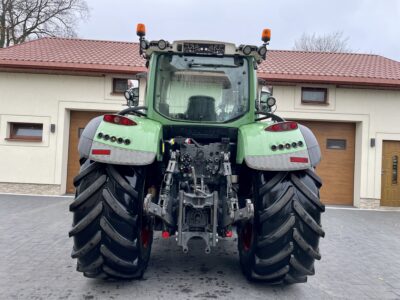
x,y
134,110
268,115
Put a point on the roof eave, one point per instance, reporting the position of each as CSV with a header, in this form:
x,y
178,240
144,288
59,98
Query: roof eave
x,y
270,77
74,67
362,81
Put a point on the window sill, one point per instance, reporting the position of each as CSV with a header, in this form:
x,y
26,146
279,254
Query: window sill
x,y
24,140
116,94
315,103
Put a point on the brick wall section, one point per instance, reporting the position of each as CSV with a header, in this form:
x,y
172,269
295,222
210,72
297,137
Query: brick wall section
x,y
369,203
26,188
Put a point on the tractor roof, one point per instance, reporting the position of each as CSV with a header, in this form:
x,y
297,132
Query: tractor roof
x,y
200,47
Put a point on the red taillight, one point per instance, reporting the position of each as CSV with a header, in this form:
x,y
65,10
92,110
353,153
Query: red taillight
x,y
165,234
298,159
283,126
120,120
101,151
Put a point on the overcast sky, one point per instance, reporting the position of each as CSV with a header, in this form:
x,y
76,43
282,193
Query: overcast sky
x,y
372,26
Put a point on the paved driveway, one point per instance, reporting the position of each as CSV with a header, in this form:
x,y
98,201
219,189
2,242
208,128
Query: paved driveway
x,y
360,260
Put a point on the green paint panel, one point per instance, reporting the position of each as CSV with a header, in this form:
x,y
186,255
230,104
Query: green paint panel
x,y
254,140
145,136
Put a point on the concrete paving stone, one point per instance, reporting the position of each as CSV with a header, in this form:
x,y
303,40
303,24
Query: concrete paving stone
x,y
360,260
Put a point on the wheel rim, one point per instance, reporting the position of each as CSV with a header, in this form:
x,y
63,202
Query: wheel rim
x,y
247,236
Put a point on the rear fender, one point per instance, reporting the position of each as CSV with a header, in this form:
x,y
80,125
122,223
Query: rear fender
x,y
255,148
143,147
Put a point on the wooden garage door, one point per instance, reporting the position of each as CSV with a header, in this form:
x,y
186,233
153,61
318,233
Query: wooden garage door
x,y
337,142
78,121
390,174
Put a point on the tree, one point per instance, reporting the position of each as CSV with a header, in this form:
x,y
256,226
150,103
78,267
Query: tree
x,y
332,42
22,20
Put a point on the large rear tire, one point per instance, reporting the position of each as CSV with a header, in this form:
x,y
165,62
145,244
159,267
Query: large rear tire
x,y
280,245
112,237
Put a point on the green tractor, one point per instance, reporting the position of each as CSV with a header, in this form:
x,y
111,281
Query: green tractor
x,y
204,156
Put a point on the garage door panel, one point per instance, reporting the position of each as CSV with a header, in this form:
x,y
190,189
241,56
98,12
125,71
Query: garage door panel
x,y
390,193
337,142
78,121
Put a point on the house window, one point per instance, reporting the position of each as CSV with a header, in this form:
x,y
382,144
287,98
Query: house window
x,y
26,132
336,144
314,95
120,85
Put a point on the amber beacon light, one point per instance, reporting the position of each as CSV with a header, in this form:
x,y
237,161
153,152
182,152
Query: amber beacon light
x,y
141,30
266,35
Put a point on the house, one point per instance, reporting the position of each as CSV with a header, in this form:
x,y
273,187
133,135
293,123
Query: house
x,y
51,87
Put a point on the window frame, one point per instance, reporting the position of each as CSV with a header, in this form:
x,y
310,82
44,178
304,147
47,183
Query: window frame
x,y
344,141
114,79
315,89
156,78
27,138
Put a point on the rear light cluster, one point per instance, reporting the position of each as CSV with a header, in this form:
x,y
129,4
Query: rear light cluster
x,y
113,139
287,146
282,126
119,120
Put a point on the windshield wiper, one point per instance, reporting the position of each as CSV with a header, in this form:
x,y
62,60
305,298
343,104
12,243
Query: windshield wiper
x,y
197,65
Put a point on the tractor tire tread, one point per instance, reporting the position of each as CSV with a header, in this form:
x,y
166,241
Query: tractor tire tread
x,y
307,219
112,257
121,181
87,193
297,265
305,246
85,172
118,208
287,228
260,262
277,206
87,220
272,276
307,192
111,272
278,233
113,234
87,247
107,224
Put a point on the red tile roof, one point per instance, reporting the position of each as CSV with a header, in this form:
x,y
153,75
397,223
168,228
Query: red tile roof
x,y
280,66
74,55
339,68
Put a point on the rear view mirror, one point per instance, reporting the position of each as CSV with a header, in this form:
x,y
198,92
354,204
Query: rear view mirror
x,y
132,96
265,100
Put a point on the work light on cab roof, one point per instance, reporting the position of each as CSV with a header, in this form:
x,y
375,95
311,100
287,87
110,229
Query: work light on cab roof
x,y
202,47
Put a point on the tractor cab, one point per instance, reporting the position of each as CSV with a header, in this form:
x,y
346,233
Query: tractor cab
x,y
201,81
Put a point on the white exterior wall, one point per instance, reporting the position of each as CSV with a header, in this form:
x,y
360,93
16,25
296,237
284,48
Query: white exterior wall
x,y
376,114
46,99
49,98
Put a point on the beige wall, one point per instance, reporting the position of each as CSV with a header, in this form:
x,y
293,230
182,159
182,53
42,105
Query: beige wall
x,y
46,99
376,114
